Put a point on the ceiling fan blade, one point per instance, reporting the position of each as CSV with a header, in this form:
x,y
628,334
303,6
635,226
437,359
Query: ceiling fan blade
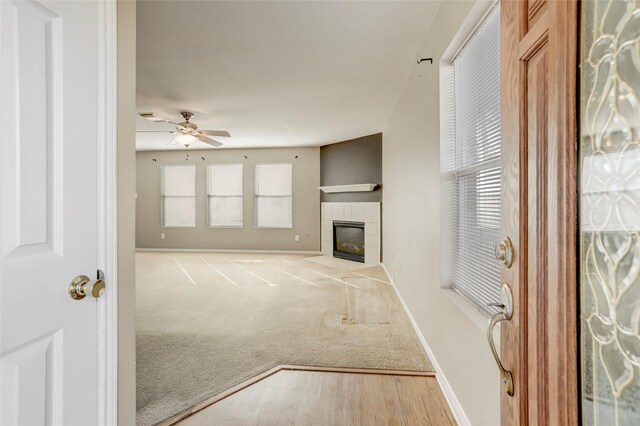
x,y
179,126
159,119
155,131
222,133
209,141
153,117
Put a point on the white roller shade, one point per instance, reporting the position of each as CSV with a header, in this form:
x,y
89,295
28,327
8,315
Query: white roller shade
x,y
224,195
179,181
274,199
471,166
178,194
224,179
273,179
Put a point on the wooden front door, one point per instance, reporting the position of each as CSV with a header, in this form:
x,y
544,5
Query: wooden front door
x,y
539,55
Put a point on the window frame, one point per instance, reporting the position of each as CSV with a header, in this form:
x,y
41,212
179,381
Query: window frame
x,y
241,196
256,196
452,176
162,196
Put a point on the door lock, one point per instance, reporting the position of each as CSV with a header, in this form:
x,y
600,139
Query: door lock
x,y
82,286
504,252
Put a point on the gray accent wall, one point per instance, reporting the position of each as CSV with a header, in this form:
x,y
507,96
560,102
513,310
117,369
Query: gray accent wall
x,y
306,201
353,161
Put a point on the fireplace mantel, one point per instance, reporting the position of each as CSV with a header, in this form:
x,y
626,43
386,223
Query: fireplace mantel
x,y
356,187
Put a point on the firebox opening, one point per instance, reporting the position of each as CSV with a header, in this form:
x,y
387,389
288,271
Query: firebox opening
x,y
348,240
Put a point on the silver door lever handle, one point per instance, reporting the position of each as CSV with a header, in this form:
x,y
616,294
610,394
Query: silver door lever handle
x,y
505,314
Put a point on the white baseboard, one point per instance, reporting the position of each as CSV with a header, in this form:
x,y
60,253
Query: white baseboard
x,y
447,390
182,250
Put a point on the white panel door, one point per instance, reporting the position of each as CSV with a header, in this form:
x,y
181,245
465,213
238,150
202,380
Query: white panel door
x,y
48,153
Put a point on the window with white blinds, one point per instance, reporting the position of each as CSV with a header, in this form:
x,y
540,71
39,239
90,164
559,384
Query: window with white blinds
x,y
471,165
224,195
178,194
274,195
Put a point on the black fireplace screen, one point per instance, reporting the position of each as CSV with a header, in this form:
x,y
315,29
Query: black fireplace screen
x,y
348,240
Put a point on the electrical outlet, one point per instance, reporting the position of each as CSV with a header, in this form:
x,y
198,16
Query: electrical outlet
x,y
162,235
297,238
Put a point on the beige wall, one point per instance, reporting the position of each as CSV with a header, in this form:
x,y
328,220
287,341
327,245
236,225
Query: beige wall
x,y
126,16
411,230
306,201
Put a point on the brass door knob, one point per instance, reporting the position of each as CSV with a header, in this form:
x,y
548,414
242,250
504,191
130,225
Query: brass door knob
x,y
83,286
504,252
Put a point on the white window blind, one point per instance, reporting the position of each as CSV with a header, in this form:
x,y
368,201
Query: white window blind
x,y
178,194
274,195
224,195
471,166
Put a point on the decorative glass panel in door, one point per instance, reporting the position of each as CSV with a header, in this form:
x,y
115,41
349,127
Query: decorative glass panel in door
x,y
610,212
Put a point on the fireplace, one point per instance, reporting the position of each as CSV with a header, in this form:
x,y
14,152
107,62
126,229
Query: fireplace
x,y
348,240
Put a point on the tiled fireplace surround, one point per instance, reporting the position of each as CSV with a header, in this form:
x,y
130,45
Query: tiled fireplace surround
x,y
369,213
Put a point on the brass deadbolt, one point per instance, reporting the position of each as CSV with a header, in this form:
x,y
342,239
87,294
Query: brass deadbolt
x,y
504,252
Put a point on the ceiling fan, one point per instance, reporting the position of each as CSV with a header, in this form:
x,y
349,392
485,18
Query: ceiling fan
x,y
186,132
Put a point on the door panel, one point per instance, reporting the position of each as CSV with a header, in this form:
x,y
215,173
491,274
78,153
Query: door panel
x,y
535,9
538,75
33,372
27,80
536,69
49,129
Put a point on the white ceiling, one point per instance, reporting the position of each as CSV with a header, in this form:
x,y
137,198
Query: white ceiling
x,y
294,73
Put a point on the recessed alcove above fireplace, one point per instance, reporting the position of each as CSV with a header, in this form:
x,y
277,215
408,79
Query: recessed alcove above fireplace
x,y
367,213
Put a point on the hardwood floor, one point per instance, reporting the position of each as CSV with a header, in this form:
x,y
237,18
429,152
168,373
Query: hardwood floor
x,y
294,397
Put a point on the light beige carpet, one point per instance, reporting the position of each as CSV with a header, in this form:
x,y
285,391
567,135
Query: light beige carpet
x,y
206,322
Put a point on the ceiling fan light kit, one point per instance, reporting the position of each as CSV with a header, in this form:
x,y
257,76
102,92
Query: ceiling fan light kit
x,y
187,132
186,140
